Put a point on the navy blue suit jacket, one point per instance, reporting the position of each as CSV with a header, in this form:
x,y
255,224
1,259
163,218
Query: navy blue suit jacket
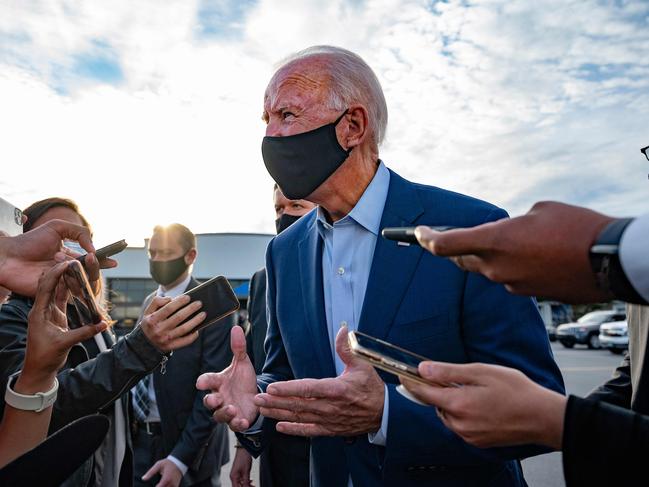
x,y
422,303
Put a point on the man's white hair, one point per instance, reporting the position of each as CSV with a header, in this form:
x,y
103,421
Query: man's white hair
x,y
352,81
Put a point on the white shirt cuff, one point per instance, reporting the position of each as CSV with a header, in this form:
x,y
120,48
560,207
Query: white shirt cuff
x,y
634,257
181,466
381,436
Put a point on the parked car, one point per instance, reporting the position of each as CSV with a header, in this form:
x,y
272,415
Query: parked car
x,y
586,330
553,314
614,336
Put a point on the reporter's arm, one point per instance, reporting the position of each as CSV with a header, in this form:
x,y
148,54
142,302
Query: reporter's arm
x,y
603,444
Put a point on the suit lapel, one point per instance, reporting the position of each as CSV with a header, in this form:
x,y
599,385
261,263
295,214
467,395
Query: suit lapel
x,y
310,257
392,265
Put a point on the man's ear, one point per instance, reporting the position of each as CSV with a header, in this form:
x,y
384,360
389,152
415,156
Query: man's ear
x,y
356,123
190,256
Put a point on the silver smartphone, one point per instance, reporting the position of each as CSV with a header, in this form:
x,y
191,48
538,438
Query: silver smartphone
x,y
388,357
11,219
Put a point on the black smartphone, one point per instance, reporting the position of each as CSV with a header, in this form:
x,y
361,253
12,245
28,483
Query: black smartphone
x,y
82,298
218,300
407,234
107,251
388,357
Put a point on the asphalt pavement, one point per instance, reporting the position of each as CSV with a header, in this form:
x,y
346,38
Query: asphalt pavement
x,y
582,371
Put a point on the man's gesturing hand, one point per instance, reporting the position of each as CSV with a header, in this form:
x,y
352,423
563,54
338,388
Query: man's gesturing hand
x,y
348,405
234,388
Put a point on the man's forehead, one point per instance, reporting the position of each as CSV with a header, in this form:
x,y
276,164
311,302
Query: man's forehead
x,y
296,83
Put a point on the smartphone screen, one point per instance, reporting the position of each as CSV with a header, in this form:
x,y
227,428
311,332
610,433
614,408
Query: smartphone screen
x,y
218,300
82,298
11,219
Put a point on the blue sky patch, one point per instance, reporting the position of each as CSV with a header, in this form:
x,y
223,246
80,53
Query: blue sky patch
x,y
222,18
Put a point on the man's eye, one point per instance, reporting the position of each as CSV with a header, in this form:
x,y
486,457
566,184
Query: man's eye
x,y
285,115
297,206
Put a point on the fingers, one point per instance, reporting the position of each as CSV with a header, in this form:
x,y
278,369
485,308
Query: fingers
x,y
238,343
182,341
107,263
302,429
343,349
91,265
78,335
461,241
73,232
210,381
441,397
447,374
295,404
157,467
187,327
307,388
174,312
155,304
291,416
47,286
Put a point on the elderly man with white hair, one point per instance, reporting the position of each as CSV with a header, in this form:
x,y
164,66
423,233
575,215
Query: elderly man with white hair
x,y
331,272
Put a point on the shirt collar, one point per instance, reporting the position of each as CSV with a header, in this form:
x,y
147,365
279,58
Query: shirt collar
x,y
176,290
369,209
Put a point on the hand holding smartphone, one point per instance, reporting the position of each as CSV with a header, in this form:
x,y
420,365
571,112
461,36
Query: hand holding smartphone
x,y
388,357
218,300
407,234
83,299
107,251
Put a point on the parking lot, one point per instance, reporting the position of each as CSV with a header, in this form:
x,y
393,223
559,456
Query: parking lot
x,y
582,370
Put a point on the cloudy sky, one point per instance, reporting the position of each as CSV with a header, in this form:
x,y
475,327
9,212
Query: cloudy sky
x,y
149,112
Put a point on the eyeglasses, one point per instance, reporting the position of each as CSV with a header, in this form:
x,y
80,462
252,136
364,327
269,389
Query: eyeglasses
x,y
645,151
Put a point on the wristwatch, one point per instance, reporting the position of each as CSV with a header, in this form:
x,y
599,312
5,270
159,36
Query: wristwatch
x,y
605,263
36,402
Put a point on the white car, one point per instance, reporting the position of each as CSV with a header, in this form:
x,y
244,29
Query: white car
x,y
614,336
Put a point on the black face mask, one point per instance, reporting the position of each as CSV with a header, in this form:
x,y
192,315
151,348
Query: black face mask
x,y
300,163
166,272
285,221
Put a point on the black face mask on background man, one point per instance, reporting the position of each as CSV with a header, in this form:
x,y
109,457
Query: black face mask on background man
x,y
300,163
167,271
285,221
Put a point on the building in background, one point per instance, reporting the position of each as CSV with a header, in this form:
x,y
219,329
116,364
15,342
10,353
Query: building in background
x,y
237,256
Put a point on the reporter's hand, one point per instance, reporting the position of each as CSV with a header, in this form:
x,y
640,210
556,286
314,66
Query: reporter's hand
x,y
233,389
543,253
48,337
493,406
165,322
25,257
170,475
241,467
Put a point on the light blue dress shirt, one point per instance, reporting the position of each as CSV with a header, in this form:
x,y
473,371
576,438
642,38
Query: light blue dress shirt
x,y
346,262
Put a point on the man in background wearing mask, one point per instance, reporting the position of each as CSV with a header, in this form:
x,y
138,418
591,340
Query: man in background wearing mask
x,y
173,434
285,459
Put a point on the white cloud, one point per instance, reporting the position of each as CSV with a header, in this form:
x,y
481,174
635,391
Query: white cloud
x,y
507,101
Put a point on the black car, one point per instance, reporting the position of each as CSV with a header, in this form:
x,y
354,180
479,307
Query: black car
x,y
586,330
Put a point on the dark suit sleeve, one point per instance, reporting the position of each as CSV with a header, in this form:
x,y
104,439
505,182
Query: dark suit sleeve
x,y
216,356
603,444
89,387
277,367
618,389
498,328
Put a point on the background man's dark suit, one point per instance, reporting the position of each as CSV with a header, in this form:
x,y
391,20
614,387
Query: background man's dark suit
x,y
188,430
285,459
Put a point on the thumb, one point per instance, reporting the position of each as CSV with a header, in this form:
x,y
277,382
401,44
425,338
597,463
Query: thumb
x,y
238,343
72,337
343,349
446,374
157,466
